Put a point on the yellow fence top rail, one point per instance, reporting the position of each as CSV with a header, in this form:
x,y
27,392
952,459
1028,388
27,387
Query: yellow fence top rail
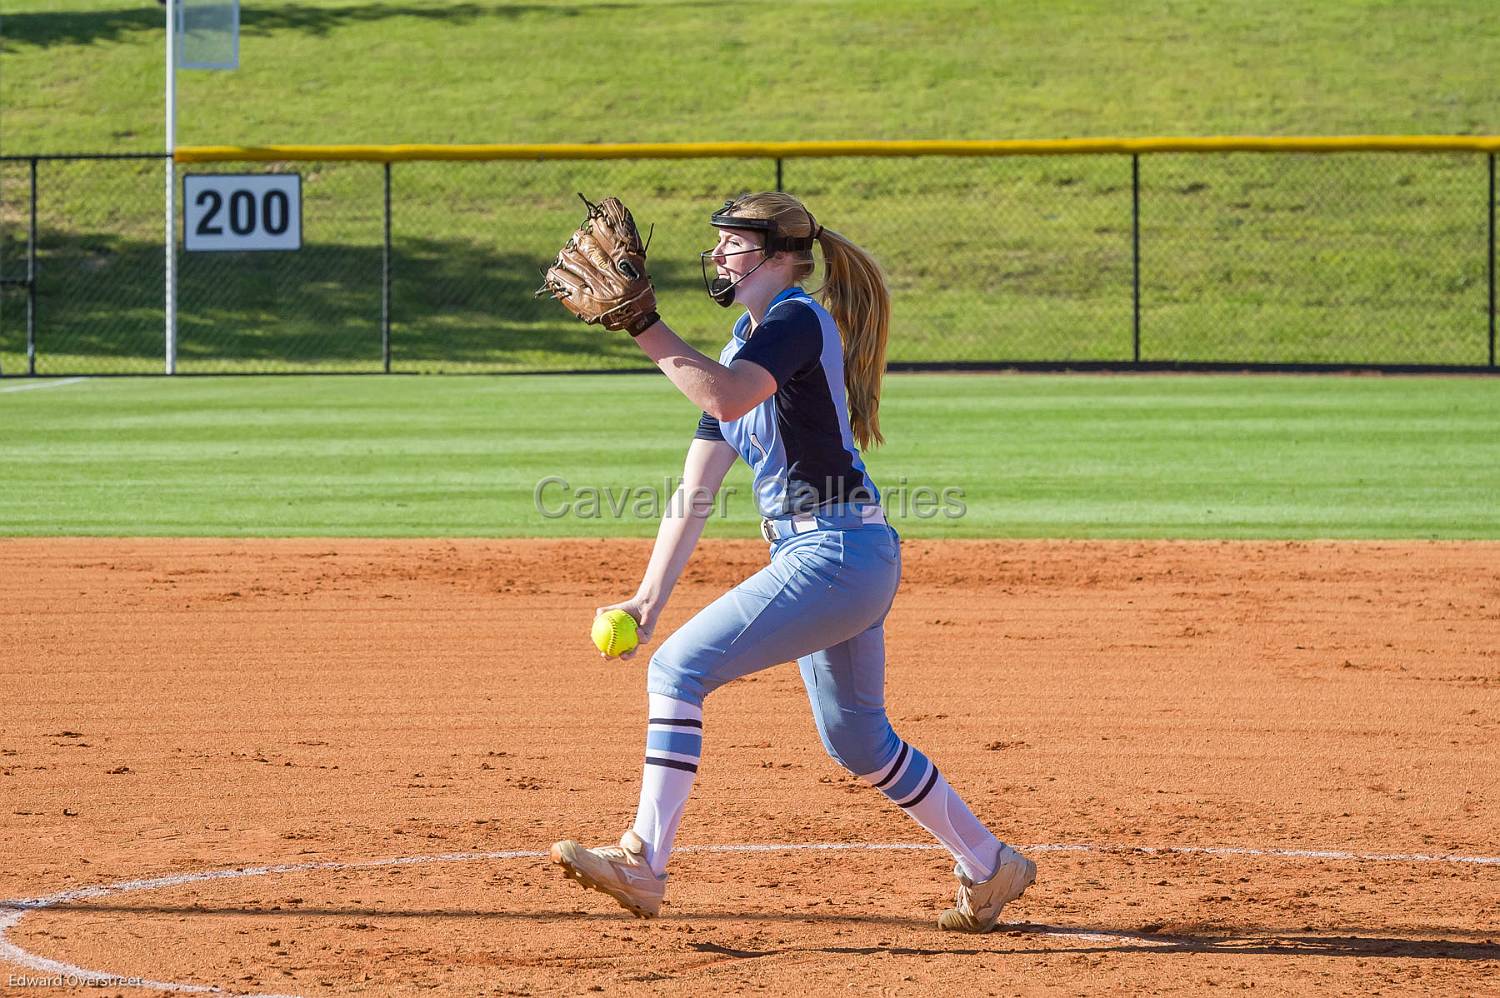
x,y
788,150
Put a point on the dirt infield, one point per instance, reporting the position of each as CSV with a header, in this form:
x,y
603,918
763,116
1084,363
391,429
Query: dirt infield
x,y
175,707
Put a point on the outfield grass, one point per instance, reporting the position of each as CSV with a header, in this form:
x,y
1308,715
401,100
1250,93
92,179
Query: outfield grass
x,y
1364,259
1079,456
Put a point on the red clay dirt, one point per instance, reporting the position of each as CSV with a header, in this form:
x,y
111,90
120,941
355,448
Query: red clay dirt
x,y
182,706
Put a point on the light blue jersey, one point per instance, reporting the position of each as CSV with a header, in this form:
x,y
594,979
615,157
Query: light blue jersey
x,y
798,442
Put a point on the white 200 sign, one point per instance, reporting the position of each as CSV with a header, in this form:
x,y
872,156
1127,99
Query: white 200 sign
x,y
225,211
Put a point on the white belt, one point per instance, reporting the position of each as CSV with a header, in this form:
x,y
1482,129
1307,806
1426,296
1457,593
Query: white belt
x,y
803,523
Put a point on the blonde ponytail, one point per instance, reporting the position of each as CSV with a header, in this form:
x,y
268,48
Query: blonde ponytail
x,y
855,294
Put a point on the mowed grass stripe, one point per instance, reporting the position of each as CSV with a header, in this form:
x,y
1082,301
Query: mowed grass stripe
x,y
1026,456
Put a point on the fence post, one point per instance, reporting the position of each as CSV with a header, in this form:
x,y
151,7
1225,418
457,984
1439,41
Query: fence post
x,y
385,279
1135,256
778,175
1492,259
31,279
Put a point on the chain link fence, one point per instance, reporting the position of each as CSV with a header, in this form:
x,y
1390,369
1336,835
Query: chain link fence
x,y
97,260
1360,259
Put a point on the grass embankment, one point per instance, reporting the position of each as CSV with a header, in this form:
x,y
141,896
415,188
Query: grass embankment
x,y
1245,258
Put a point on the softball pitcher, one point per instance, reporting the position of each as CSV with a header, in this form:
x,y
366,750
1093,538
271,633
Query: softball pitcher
x,y
796,394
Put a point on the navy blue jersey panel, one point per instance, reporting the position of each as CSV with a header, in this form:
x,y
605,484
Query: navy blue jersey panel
x,y
708,429
787,343
819,469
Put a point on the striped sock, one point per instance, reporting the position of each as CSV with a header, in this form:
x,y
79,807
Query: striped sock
x,y
674,744
916,786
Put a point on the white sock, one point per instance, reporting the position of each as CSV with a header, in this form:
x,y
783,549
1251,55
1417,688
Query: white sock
x,y
674,744
917,787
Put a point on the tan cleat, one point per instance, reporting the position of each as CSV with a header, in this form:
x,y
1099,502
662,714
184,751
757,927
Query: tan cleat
x,y
620,871
979,905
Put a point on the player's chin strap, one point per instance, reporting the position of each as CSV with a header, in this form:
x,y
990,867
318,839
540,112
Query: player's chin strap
x,y
721,289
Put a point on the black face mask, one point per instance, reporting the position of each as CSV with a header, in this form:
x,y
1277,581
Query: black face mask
x,y
721,289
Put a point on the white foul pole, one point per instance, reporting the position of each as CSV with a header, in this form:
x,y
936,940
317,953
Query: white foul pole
x,y
171,227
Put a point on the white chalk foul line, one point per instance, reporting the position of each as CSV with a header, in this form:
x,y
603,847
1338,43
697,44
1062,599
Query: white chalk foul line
x,y
12,911
1338,854
33,385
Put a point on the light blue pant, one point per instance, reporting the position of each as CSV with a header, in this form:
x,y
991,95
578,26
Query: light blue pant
x,y
822,601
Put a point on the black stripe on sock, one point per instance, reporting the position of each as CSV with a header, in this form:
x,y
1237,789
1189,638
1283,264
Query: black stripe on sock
x,y
677,722
931,782
900,758
686,767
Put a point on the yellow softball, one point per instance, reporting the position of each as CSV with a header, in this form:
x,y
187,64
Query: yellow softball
x,y
614,632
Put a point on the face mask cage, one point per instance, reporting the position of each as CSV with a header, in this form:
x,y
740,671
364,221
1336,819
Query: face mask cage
x,y
721,289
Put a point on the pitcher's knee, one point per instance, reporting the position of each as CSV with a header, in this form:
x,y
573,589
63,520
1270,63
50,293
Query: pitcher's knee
x,y
861,743
676,674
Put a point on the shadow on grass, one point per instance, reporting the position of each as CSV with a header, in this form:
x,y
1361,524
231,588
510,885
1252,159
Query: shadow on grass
x,y
454,302
41,29
467,304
